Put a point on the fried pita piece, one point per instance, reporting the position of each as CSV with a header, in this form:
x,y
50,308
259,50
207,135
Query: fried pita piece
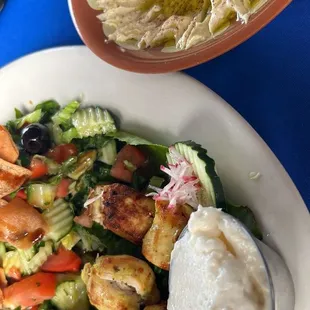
x,y
3,202
11,177
21,224
8,148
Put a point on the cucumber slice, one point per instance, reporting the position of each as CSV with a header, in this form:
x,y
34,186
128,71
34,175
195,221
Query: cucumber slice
x,y
12,259
2,252
107,154
38,259
59,219
84,163
71,295
92,121
70,240
55,132
41,195
25,257
212,193
27,261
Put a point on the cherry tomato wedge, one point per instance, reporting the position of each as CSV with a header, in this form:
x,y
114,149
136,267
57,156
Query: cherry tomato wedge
x,y
133,156
38,168
14,273
63,261
62,152
21,194
31,291
63,188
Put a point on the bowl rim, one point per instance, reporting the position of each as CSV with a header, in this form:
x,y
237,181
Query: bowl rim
x,y
219,46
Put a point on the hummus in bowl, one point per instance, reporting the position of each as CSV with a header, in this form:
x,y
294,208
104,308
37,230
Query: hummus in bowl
x,y
172,24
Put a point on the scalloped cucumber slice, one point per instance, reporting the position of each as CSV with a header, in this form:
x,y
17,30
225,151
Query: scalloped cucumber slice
x,y
92,121
71,295
59,219
212,193
33,265
25,258
41,195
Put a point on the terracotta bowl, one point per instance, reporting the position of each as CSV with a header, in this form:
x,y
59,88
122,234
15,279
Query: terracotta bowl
x,y
155,61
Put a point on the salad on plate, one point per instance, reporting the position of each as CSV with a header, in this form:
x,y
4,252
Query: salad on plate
x,y
90,213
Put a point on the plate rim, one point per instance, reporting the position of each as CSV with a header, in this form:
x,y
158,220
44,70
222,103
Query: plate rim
x,y
272,159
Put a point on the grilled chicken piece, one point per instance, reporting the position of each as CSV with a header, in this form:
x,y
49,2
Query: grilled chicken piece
x,y
161,306
8,148
11,177
123,210
119,282
21,224
167,225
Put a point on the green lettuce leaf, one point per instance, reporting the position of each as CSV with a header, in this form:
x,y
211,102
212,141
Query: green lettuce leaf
x,y
129,138
63,116
95,142
245,216
33,117
18,113
48,108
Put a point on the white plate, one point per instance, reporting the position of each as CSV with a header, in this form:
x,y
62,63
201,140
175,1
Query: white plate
x,y
168,108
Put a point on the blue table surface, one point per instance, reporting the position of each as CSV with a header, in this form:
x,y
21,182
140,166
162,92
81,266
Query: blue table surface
x,y
266,79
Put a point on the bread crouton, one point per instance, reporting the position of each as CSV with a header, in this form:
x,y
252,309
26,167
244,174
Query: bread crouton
x,y
8,148
11,177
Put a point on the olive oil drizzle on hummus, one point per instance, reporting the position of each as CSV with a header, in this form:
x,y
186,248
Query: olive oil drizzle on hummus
x,y
174,7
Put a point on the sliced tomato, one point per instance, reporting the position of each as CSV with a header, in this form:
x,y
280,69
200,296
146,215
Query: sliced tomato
x,y
22,194
62,152
38,168
63,188
84,219
63,261
31,291
14,273
128,154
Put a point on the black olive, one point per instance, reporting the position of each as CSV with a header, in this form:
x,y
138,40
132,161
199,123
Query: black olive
x,y
36,139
